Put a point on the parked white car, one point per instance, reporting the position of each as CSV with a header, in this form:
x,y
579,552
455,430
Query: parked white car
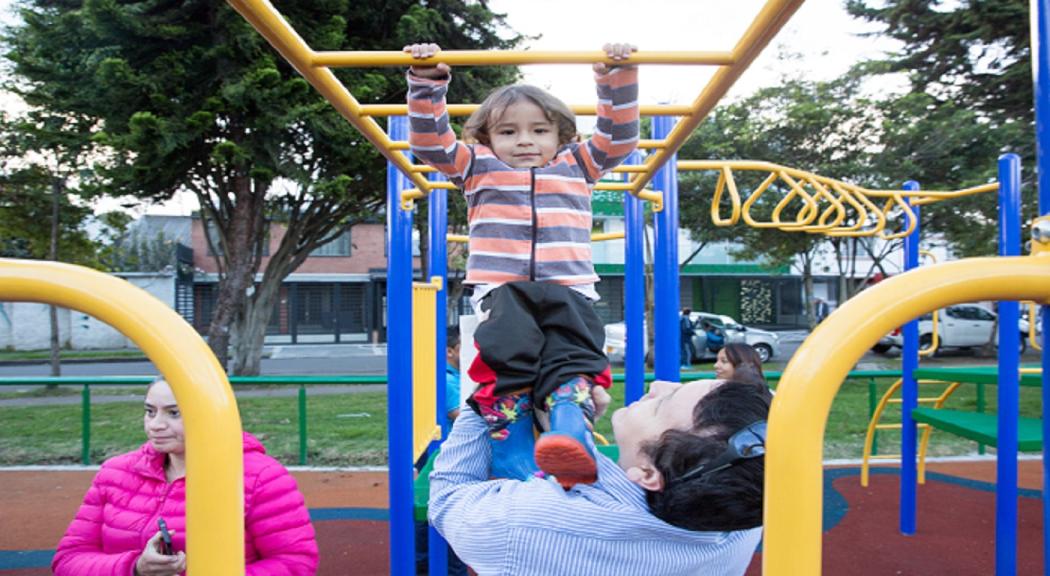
x,y
765,343
958,326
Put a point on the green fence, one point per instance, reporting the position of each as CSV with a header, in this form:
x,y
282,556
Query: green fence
x,y
302,381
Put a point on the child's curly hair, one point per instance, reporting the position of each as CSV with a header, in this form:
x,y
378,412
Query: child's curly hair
x,y
477,127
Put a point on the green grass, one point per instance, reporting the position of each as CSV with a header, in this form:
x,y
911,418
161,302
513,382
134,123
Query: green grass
x,y
350,429
24,355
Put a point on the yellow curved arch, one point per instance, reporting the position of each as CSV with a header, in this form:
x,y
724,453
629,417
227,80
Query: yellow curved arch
x,y
794,448
214,457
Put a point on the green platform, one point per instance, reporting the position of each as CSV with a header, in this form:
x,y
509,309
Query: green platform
x,y
979,426
974,375
982,428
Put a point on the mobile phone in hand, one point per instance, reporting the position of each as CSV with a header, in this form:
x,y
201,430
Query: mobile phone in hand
x,y
165,538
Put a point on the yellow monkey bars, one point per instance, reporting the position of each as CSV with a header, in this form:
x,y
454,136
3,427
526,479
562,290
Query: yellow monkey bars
x,y
316,67
817,204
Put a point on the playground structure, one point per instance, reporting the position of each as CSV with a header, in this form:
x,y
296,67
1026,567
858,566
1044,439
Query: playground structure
x,y
813,204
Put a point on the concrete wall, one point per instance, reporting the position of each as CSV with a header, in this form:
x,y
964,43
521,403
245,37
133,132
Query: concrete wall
x,y
26,326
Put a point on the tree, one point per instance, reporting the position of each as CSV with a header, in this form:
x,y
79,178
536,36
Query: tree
x,y
46,159
821,127
194,99
971,99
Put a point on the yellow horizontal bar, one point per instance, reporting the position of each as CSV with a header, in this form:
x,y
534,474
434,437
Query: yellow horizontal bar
x,y
377,110
644,144
374,59
457,238
603,236
268,21
773,16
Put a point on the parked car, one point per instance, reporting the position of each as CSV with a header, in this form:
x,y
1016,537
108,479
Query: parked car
x,y
958,326
765,343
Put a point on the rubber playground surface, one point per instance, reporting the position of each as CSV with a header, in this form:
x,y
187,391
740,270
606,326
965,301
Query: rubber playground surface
x,y
956,520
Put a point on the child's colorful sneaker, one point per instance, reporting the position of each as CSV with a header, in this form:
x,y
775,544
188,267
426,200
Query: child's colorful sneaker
x,y
567,451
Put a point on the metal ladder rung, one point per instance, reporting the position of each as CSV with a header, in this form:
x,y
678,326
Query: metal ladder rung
x,y
929,400
919,425
884,457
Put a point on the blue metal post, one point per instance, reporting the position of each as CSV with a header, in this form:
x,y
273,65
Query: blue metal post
x,y
399,365
1009,375
437,549
910,388
1040,19
634,293
667,347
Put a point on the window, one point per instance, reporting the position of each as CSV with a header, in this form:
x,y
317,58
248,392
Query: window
x,y
982,314
339,246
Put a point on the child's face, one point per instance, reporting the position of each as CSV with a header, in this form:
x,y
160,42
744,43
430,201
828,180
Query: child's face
x,y
523,136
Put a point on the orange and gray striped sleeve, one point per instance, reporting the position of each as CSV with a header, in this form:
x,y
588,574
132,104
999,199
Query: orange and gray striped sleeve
x,y
616,133
430,137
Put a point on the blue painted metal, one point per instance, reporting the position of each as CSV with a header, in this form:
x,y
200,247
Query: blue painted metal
x,y
667,349
1009,375
634,293
437,265
399,365
1040,18
909,388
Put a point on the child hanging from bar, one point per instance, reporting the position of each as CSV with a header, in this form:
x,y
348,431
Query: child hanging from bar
x,y
528,182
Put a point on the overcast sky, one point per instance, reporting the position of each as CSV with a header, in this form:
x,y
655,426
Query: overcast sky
x,y
821,32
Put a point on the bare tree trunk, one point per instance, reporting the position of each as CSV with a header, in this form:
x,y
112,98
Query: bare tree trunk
x,y
56,363
250,331
807,288
241,243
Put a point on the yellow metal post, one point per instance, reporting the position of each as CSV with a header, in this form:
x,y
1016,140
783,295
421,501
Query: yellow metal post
x,y
214,458
794,450
425,428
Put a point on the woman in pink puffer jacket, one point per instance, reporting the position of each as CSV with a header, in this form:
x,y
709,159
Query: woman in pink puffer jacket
x,y
115,531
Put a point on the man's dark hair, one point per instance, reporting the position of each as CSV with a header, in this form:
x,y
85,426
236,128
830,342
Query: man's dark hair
x,y
729,499
452,337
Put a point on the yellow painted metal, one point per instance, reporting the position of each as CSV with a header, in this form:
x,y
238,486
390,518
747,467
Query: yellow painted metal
x,y
378,110
937,402
265,18
876,417
794,447
514,58
935,341
424,365
603,236
772,17
1033,323
827,206
725,180
906,212
214,458
457,238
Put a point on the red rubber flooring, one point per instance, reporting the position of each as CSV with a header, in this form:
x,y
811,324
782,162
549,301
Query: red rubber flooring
x,y
956,521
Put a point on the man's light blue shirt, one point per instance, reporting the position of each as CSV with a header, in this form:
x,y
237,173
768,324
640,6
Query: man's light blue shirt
x,y
508,527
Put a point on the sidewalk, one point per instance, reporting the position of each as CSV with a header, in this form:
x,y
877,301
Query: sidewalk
x,y
103,397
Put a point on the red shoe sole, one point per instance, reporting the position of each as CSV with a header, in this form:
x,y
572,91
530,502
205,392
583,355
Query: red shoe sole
x,y
566,459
